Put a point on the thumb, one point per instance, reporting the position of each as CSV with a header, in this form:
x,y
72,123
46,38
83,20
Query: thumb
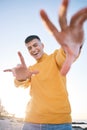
x,y
34,72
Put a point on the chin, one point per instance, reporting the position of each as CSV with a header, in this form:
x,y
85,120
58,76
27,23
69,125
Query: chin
x,y
37,58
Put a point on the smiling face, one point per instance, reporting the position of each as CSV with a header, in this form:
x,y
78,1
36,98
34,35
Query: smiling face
x,y
35,48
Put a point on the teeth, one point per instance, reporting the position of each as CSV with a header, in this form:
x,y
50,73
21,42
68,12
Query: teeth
x,y
35,54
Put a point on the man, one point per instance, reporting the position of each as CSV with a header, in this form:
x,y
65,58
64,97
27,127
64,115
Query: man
x,y
49,107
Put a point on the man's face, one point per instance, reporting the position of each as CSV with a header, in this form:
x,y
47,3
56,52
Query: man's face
x,y
35,48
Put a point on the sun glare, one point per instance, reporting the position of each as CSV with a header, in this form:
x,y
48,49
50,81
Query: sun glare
x,y
13,99
16,104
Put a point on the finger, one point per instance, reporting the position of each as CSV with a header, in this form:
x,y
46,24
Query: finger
x,y
21,59
62,14
47,22
50,25
79,17
34,72
7,70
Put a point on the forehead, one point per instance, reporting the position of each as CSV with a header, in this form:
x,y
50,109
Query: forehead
x,y
34,41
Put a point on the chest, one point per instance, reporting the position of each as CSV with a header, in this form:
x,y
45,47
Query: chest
x,y
47,69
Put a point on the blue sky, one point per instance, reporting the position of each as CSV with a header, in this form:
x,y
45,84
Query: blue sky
x,y
20,18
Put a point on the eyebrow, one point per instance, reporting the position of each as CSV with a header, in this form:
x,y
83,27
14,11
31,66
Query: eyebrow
x,y
32,45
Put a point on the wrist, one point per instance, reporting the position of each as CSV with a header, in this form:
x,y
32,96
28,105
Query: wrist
x,y
21,80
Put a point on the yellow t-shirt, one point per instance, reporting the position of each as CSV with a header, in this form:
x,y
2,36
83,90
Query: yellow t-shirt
x,y
49,102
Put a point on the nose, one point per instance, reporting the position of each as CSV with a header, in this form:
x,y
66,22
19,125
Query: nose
x,y
33,49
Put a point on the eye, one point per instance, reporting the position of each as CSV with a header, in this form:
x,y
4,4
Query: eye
x,y
35,45
29,48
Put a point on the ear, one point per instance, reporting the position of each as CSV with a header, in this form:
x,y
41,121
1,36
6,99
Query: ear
x,y
42,45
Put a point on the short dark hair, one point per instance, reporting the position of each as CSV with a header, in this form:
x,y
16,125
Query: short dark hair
x,y
31,37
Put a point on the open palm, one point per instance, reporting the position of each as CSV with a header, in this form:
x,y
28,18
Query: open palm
x,y
71,37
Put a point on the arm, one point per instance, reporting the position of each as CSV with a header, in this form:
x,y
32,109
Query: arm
x,y
71,36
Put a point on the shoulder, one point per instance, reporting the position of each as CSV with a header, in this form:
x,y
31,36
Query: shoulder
x,y
59,51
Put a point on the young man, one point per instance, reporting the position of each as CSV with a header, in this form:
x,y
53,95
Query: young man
x,y
49,107
49,102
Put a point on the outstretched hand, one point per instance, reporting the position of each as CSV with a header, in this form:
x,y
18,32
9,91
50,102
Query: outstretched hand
x,y
21,72
71,37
